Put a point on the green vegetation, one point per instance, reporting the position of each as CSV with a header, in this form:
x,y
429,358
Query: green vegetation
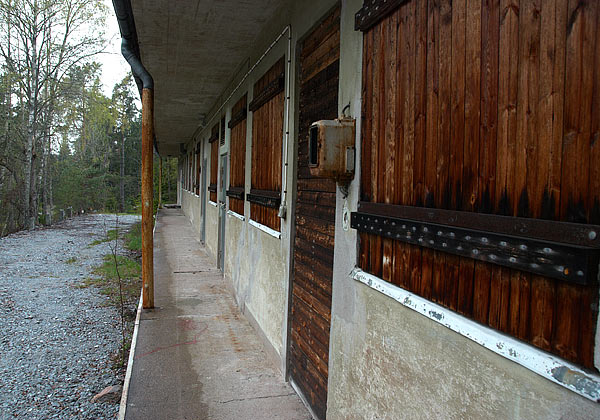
x,y
119,279
71,260
108,280
133,238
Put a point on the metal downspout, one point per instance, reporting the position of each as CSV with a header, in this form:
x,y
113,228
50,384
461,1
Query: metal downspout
x,y
130,50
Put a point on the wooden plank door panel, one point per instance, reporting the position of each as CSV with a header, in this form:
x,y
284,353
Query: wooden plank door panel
x,y
308,354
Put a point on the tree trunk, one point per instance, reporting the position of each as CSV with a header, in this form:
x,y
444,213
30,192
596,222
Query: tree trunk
x,y
122,172
28,173
30,196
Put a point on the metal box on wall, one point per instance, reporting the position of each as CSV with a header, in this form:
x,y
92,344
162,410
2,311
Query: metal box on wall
x,y
331,151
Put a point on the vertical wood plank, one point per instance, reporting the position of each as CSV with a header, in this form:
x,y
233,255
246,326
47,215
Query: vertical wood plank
x,y
472,106
580,47
366,149
431,139
433,88
367,116
377,149
594,187
458,102
578,98
389,95
499,299
401,67
520,292
507,100
421,52
408,81
589,303
543,152
490,43
552,205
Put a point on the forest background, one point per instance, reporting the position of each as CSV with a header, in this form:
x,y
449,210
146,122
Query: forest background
x,y
64,143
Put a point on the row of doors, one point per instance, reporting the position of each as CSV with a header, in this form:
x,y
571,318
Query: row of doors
x,y
314,220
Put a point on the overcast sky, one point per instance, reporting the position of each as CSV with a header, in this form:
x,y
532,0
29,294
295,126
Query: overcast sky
x,y
114,66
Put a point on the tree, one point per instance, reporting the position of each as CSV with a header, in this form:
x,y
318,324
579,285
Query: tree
x,y
124,109
41,41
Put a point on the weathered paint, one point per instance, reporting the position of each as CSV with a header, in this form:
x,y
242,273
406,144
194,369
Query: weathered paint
x,y
265,229
397,363
542,363
191,205
234,214
212,230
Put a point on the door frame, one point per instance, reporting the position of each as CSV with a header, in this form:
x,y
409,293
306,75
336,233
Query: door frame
x,y
222,206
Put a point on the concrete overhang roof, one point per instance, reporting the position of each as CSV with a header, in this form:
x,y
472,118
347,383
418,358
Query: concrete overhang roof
x,y
192,49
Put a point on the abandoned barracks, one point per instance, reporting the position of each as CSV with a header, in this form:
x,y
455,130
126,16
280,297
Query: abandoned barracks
x,y
402,195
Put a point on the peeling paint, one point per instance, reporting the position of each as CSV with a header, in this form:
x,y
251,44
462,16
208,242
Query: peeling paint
x,y
576,380
436,315
548,366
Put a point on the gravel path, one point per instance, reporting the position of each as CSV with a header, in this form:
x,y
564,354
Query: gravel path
x,y
56,339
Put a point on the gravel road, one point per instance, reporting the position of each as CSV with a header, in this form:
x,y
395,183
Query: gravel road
x,y
56,339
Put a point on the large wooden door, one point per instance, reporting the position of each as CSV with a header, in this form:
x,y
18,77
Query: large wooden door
x,y
308,355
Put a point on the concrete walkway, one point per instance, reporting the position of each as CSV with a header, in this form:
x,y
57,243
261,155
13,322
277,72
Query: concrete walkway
x,y
196,356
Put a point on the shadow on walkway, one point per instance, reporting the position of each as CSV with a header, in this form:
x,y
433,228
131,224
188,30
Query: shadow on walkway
x,y
196,356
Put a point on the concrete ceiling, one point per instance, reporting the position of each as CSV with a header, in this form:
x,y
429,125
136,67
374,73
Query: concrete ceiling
x,y
192,49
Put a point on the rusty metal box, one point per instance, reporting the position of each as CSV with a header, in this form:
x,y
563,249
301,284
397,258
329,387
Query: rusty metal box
x,y
331,150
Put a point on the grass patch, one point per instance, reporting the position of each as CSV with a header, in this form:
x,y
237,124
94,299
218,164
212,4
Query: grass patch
x,y
106,280
127,281
133,238
71,260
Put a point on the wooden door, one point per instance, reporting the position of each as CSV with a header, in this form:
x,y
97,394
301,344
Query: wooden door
x,y
308,354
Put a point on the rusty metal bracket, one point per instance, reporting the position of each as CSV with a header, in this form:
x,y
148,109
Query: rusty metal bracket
x,y
269,92
237,118
545,230
265,198
235,192
560,260
373,11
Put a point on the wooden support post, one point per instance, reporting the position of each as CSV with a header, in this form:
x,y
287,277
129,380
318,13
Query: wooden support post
x,y
160,182
147,199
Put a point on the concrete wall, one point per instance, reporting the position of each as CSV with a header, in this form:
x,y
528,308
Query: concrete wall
x,y
191,205
212,231
391,362
255,269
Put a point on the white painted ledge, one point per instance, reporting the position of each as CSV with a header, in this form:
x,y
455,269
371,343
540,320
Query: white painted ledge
x,y
212,203
234,214
265,229
126,382
544,364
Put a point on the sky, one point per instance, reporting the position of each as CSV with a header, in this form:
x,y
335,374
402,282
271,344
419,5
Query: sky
x,y
114,66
